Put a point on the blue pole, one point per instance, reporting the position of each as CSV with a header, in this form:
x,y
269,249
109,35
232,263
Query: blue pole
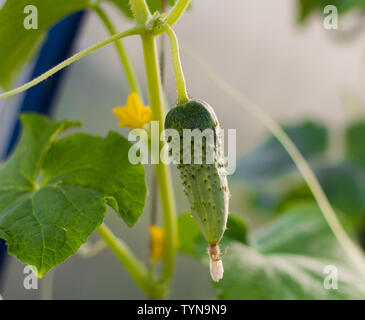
x,y
40,98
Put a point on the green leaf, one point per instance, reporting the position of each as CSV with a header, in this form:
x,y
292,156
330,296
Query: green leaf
x,y
52,196
17,44
285,261
23,168
101,165
271,159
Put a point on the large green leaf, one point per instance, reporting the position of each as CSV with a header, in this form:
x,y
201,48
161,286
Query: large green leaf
x,y
271,160
285,261
17,44
101,165
53,193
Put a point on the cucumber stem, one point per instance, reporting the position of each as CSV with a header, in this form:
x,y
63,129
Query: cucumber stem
x,y
182,94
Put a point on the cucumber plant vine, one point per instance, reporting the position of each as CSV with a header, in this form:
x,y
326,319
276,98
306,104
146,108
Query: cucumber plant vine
x,y
54,191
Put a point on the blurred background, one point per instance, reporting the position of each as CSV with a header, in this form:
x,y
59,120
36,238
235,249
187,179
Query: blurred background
x,y
293,72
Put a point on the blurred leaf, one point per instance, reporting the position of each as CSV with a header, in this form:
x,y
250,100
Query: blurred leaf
x,y
17,44
344,185
53,194
305,9
124,7
236,229
188,233
308,7
271,159
156,5
343,6
252,275
300,230
355,142
286,261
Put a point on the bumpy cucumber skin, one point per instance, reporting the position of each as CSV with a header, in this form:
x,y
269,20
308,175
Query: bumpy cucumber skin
x,y
204,184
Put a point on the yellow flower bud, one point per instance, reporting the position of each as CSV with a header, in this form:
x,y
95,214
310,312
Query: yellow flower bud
x,y
157,235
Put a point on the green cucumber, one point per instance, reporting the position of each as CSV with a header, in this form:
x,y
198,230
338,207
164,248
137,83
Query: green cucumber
x,y
204,184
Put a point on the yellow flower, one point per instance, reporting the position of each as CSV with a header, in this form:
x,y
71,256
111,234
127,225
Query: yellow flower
x,y
157,235
134,114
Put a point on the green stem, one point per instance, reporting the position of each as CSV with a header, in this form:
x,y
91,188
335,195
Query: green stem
x,y
74,58
182,94
127,65
162,171
177,11
134,267
140,10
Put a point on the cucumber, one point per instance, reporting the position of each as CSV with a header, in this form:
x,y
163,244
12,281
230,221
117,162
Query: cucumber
x,y
205,183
